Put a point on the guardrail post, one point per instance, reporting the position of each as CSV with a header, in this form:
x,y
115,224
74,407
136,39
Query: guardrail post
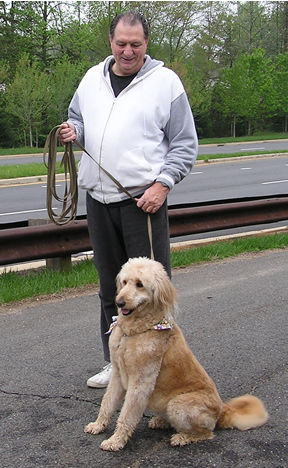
x,y
59,263
63,263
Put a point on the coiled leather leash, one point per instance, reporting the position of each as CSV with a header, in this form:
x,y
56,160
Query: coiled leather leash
x,y
70,198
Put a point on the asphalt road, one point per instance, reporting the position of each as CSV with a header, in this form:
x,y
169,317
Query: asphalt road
x,y
234,316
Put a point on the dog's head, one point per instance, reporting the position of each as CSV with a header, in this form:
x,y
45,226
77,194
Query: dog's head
x,y
143,285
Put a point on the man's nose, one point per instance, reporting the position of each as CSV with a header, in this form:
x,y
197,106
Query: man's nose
x,y
128,51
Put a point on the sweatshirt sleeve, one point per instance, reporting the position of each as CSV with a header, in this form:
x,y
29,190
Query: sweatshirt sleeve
x,y
75,117
182,142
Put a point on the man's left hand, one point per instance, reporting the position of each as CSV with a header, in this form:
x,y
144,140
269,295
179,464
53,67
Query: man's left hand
x,y
153,198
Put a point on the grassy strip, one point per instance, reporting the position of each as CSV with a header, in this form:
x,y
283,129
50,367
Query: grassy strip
x,y
39,169
26,170
260,137
15,286
24,150
230,248
207,157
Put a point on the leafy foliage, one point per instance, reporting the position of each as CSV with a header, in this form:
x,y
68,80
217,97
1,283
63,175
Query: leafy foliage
x,y
231,57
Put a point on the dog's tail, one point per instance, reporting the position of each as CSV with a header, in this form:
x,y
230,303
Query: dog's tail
x,y
244,412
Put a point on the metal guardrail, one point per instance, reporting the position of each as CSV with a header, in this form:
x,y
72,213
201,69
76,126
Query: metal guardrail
x,y
23,244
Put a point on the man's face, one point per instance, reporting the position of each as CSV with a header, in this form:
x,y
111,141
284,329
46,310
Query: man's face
x,y
128,46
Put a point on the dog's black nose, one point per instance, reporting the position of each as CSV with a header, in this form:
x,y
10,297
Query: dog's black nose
x,y
121,304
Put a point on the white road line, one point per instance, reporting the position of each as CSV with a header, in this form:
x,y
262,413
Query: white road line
x,y
195,173
250,149
246,168
275,182
23,212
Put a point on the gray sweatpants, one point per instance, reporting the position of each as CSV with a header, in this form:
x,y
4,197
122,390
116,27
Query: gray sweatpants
x,y
118,231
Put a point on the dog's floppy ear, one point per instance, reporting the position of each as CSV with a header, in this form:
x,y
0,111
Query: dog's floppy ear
x,y
118,282
164,291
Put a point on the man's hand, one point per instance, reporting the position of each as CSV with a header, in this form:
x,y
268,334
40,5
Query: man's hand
x,y
67,133
153,198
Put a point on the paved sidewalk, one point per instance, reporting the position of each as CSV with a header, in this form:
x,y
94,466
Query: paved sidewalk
x,y
234,316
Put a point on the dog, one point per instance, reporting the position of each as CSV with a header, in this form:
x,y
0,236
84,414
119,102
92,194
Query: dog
x,y
153,367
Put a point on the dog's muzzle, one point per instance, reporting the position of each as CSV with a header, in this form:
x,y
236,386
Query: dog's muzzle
x,y
121,306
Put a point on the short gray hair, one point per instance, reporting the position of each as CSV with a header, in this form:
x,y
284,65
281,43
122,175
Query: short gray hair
x,y
132,18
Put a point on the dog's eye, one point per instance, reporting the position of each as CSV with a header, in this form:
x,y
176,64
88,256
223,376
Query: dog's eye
x,y
139,284
124,282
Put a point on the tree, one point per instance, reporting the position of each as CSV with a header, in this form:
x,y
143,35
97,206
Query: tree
x,y
275,39
250,24
204,42
246,89
63,80
174,28
280,79
27,27
27,96
6,123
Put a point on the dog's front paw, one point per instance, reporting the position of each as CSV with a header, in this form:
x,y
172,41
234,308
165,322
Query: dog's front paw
x,y
94,428
113,444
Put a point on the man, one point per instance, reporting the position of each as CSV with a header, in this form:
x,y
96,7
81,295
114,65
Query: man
x,y
133,116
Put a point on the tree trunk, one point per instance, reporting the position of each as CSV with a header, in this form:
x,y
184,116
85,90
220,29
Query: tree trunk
x,y
249,127
233,127
30,136
285,31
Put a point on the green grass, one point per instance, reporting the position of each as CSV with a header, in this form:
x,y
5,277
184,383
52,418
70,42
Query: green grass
x,y
209,157
258,137
16,286
229,248
24,150
26,170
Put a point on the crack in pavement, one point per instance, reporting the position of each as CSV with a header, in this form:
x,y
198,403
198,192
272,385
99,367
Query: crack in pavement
x,y
48,397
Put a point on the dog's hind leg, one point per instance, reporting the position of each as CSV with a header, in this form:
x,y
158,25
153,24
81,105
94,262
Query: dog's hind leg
x,y
191,416
110,403
157,422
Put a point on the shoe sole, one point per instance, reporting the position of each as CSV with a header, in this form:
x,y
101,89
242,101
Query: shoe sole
x,y
93,385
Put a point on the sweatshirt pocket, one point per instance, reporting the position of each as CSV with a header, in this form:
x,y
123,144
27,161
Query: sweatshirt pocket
x,y
88,175
133,169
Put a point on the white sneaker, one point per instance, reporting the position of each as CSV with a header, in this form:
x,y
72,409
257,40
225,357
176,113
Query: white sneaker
x,y
101,379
